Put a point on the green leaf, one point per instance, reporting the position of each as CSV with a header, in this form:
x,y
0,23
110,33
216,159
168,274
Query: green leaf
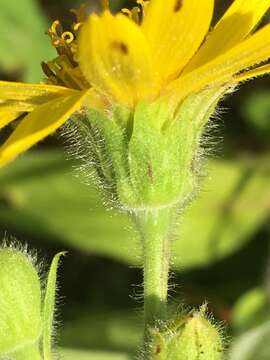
x,y
23,43
42,198
251,318
232,206
251,310
103,329
49,308
256,110
254,344
71,354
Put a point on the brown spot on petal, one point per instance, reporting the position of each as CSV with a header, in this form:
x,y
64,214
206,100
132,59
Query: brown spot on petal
x,y
178,5
121,46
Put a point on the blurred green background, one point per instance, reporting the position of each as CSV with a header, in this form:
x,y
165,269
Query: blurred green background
x,y
221,250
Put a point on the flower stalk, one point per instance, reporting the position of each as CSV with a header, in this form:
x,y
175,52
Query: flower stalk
x,y
155,229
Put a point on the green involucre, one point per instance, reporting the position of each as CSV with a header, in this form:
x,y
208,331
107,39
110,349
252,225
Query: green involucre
x,y
145,158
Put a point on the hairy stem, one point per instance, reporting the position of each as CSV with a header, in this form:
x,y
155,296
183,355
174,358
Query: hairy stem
x,y
155,228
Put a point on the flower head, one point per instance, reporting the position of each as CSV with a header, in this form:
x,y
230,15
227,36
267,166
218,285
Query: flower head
x,y
158,49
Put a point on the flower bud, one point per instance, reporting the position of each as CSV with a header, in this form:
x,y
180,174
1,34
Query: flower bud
x,y
200,340
20,301
188,338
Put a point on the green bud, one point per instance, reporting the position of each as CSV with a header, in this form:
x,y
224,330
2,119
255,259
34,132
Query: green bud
x,y
20,301
145,157
26,318
187,338
200,340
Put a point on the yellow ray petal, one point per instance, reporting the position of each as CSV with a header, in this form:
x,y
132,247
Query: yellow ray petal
x,y
259,71
250,52
7,115
175,29
16,106
34,94
238,21
115,58
43,121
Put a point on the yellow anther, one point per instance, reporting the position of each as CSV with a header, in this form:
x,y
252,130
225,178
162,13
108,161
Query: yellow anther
x,y
68,37
56,28
136,14
56,42
133,14
143,4
127,12
64,69
77,26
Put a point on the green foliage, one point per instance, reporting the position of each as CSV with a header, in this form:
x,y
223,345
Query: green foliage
x,y
70,354
23,43
256,110
251,318
251,310
225,216
253,344
103,329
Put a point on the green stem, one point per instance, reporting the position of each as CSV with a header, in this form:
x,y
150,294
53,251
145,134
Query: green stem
x,y
28,352
155,227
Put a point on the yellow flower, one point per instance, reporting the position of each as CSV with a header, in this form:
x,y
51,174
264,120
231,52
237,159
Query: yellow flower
x,y
159,48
